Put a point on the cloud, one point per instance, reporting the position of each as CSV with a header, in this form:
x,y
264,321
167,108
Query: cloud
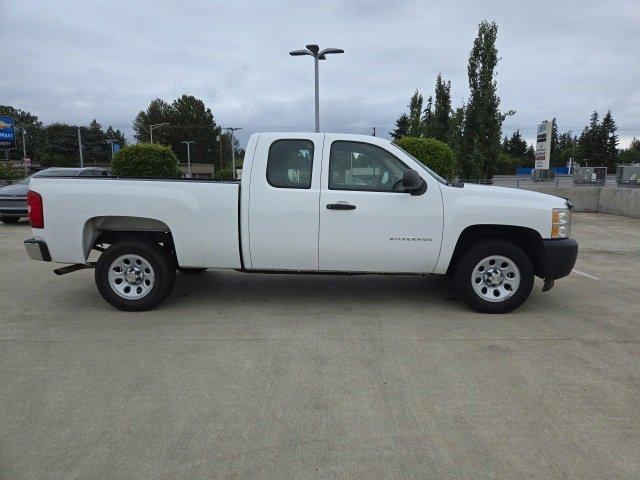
x,y
73,61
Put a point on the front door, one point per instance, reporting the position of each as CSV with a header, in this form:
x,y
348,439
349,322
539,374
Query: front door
x,y
283,202
367,222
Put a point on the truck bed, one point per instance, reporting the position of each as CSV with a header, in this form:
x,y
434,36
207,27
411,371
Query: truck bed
x,y
201,215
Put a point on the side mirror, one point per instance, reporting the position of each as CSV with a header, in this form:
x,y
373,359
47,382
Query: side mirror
x,y
413,183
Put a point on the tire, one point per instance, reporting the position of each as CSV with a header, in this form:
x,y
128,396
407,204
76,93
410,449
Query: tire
x,y
4,219
135,275
191,270
505,275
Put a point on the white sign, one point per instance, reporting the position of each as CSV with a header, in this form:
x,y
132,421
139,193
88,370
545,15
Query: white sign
x,y
543,146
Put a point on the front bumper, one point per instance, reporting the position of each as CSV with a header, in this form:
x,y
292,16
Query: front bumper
x,y
559,257
37,250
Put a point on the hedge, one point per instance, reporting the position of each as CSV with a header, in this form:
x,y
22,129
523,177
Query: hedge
x,y
224,174
145,160
433,153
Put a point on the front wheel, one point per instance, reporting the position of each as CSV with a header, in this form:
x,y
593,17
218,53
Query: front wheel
x,y
494,276
135,275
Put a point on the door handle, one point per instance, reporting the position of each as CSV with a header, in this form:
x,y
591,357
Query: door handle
x,y
341,206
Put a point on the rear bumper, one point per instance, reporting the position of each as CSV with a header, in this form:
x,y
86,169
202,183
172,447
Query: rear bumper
x,y
559,257
37,250
13,207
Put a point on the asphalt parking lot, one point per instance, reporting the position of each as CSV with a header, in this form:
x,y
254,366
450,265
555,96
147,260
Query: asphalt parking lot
x,y
301,376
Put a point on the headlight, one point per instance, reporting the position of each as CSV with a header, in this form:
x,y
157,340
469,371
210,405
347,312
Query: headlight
x,y
560,223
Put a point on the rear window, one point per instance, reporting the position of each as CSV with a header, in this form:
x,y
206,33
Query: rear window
x,y
290,163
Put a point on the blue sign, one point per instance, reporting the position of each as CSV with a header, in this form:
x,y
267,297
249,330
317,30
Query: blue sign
x,y
7,133
116,147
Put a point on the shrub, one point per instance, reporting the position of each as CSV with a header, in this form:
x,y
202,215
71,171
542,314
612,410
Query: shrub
x,y
433,153
224,174
11,172
145,160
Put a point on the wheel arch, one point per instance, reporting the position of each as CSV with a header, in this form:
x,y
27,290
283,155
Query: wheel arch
x,y
109,229
528,239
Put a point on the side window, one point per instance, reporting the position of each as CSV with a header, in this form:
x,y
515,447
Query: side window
x,y
289,164
362,166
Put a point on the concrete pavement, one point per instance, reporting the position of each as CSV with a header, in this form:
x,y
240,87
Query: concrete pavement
x,y
285,376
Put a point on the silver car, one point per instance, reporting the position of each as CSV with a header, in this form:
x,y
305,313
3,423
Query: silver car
x,y
13,198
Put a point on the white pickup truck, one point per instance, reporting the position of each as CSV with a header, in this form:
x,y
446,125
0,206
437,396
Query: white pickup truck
x,y
307,203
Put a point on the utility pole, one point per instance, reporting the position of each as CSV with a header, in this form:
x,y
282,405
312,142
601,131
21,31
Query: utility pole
x,y
233,149
317,55
188,144
80,147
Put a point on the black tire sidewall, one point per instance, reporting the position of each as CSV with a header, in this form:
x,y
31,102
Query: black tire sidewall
x,y
160,261
466,264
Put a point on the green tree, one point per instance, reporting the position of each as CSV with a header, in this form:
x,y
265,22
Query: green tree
x,y
427,119
440,125
146,160
483,120
189,120
433,153
402,126
60,146
34,135
632,154
415,115
566,149
610,141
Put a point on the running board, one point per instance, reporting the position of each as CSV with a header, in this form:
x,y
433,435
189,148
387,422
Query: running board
x,y
74,268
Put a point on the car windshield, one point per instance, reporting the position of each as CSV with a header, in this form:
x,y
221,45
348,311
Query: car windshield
x,y
423,166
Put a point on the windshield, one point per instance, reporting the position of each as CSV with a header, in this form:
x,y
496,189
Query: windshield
x,y
422,165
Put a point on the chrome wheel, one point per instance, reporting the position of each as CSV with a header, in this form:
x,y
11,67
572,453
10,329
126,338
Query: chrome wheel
x,y
495,278
131,277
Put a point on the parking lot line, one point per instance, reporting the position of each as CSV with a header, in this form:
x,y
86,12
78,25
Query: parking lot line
x,y
593,277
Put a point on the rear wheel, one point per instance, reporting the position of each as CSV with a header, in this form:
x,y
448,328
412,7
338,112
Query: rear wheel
x,y
494,276
4,219
135,275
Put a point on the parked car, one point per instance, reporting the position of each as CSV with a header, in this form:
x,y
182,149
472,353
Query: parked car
x,y
13,198
307,203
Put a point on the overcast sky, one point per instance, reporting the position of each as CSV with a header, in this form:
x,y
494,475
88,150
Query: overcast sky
x,y
73,61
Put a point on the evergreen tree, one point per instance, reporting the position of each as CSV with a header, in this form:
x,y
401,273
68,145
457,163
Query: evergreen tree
x,y
157,112
566,149
609,129
427,118
402,127
440,120
456,131
483,120
415,115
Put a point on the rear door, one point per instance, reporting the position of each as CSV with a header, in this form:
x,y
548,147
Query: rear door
x,y
284,195
367,222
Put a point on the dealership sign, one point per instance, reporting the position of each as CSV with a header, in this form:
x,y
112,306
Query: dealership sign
x,y
7,133
543,146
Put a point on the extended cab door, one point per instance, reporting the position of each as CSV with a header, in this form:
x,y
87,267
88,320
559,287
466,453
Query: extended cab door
x,y
284,191
367,222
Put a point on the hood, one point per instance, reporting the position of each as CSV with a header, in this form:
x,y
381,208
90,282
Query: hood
x,y
17,189
515,194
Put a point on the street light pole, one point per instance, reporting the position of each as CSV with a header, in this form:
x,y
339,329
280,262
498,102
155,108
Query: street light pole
x,y
80,148
317,55
188,143
152,127
111,142
233,149
24,150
